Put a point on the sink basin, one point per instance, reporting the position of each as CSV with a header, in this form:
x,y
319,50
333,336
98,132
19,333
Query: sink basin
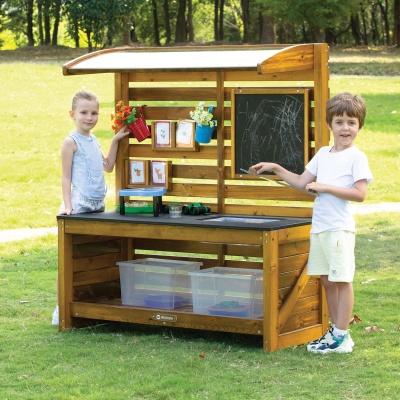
x,y
241,220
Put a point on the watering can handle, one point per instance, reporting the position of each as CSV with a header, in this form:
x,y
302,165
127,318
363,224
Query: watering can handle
x,y
210,108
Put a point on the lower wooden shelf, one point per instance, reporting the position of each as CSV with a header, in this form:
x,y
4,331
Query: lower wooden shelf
x,y
179,318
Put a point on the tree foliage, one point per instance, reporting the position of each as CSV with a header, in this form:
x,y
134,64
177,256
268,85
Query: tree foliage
x,y
101,23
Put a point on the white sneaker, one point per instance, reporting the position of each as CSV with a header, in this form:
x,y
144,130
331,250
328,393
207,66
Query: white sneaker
x,y
327,338
342,344
54,320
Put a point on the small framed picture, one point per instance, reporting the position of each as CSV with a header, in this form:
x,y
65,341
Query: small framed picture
x,y
138,173
163,134
161,173
184,137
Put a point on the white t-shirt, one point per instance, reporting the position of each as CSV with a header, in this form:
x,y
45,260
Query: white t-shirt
x,y
342,169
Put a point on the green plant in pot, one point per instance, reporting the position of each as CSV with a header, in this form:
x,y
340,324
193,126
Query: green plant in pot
x,y
204,123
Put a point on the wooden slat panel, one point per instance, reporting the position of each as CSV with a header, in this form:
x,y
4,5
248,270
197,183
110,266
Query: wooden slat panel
x,y
172,94
97,276
194,172
292,263
266,193
94,292
311,289
301,321
290,249
271,211
97,248
99,262
198,76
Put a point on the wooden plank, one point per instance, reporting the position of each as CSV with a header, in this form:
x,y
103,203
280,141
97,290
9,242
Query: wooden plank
x,y
300,336
296,58
292,263
172,318
290,302
270,267
64,280
96,276
301,321
139,94
147,231
96,262
292,248
271,211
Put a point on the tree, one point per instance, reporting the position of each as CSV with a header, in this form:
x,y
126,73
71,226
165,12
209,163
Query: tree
x,y
396,17
180,32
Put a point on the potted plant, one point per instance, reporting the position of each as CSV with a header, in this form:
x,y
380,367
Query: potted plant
x,y
126,116
204,123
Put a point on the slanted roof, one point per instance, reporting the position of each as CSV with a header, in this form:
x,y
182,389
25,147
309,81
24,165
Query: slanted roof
x,y
189,58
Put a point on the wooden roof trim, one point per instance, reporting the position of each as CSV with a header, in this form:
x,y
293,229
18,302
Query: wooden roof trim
x,y
294,58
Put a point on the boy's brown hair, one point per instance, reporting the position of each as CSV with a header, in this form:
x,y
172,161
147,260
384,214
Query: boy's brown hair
x,y
345,102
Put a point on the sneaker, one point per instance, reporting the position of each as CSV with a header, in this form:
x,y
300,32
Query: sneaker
x,y
322,340
335,345
54,320
326,339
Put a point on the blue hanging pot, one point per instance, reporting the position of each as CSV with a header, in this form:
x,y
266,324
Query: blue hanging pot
x,y
204,132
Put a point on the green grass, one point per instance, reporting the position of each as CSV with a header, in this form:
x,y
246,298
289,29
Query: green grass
x,y
126,361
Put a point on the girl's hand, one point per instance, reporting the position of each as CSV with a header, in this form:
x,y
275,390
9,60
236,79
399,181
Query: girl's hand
x,y
122,133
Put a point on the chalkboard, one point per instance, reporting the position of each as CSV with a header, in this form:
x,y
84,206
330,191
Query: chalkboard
x,y
270,125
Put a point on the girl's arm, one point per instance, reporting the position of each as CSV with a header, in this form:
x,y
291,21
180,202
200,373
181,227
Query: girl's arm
x,y
67,154
298,181
109,161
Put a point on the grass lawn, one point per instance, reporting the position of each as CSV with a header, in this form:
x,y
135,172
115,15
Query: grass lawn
x,y
124,361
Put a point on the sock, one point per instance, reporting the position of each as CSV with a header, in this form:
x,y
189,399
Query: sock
x,y
339,332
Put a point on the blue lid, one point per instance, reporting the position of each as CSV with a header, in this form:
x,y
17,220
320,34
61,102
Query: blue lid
x,y
143,192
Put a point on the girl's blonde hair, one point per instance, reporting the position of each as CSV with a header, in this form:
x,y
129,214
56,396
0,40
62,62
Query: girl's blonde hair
x,y
345,102
83,95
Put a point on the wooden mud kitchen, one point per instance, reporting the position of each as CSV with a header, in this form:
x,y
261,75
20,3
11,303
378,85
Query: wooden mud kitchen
x,y
268,105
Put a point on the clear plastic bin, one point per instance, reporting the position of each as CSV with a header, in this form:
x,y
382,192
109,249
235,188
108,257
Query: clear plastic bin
x,y
156,282
231,292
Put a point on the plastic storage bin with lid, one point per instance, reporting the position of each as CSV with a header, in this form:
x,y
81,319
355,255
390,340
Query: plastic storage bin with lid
x,y
156,282
231,292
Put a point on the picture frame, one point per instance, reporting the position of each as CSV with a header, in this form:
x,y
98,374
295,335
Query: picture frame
x,y
184,136
138,173
161,172
163,134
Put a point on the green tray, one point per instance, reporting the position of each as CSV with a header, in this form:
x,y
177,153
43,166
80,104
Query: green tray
x,y
137,210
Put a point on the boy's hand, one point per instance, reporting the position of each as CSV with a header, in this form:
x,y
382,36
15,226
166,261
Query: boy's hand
x,y
262,167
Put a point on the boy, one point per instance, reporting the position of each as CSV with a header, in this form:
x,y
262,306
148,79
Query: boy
x,y
342,175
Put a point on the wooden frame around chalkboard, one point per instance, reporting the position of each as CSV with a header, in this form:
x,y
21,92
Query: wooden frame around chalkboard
x,y
275,111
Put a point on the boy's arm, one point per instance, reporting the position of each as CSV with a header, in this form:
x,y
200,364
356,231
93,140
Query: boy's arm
x,y
356,193
298,181
109,161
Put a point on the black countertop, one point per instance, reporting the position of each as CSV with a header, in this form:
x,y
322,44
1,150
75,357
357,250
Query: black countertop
x,y
252,222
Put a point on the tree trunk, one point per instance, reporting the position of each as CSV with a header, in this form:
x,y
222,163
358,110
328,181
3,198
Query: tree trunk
x,y
57,16
190,21
221,20
40,24
246,19
156,26
384,12
396,29
180,32
216,19
268,30
47,34
29,20
355,29
167,22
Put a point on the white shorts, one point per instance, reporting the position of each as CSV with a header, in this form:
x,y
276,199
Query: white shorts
x,y
332,254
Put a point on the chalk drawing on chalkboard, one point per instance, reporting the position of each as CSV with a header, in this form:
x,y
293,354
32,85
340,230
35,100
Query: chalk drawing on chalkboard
x,y
270,125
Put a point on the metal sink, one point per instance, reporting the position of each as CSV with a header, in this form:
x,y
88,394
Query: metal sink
x,y
240,220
